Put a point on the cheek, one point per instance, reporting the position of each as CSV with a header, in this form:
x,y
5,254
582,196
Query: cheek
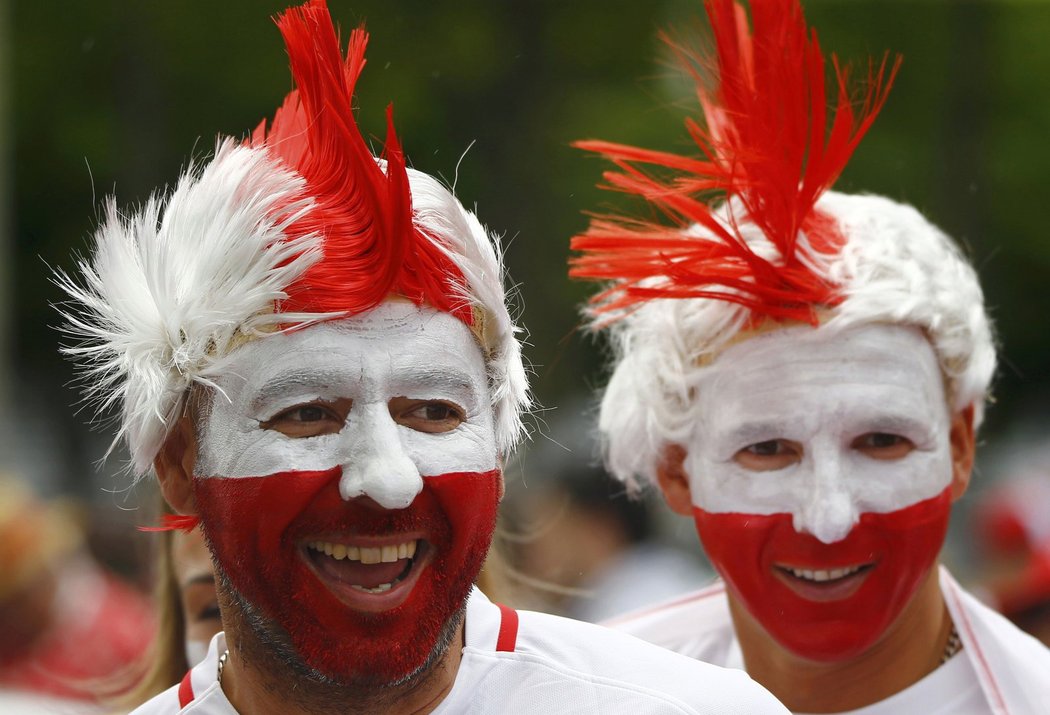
x,y
471,447
240,448
722,486
883,486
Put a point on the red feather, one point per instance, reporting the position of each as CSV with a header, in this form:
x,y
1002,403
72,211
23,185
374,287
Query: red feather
x,y
767,143
372,248
174,522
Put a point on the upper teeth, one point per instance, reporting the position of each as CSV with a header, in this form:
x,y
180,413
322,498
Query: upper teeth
x,y
821,575
366,554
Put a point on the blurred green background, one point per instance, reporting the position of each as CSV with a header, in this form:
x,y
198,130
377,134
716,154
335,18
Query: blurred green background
x,y
108,96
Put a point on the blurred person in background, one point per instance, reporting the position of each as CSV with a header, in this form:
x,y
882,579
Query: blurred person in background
x,y
311,347
187,610
1012,533
802,372
67,626
588,549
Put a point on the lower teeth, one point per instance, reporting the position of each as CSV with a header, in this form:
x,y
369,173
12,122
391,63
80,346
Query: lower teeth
x,y
381,588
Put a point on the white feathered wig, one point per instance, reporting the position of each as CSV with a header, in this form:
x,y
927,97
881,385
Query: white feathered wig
x,y
297,224
757,239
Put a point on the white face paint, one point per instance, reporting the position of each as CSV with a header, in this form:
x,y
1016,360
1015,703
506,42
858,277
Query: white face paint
x,y
196,651
397,350
821,399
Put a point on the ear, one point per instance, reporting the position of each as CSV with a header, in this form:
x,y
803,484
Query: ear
x,y
963,442
674,482
174,467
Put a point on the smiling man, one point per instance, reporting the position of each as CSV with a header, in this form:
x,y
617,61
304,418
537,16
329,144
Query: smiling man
x,y
311,348
802,373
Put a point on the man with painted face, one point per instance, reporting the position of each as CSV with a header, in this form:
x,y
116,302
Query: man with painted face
x,y
802,372
311,347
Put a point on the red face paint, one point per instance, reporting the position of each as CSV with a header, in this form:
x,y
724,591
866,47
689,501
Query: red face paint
x,y
259,527
834,620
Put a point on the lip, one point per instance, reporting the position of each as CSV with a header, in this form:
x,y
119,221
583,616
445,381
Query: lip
x,y
824,591
360,600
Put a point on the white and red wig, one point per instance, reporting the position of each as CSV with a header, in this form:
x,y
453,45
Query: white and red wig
x,y
299,223
751,236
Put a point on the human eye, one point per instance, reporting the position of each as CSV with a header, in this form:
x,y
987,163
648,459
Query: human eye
x,y
310,419
768,455
208,612
199,601
883,445
431,416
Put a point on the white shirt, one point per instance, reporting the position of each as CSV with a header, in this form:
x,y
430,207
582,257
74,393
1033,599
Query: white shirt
x,y
1000,670
526,662
952,689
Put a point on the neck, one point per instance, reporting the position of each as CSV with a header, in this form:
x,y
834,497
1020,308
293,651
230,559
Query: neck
x,y
257,680
909,650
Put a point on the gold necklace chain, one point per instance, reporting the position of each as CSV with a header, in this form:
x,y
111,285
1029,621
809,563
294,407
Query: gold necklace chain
x,y
953,646
222,664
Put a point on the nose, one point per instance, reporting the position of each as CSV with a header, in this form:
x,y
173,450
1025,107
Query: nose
x,y
827,509
374,461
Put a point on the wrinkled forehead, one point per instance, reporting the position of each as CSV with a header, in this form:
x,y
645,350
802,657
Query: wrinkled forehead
x,y
391,345
876,366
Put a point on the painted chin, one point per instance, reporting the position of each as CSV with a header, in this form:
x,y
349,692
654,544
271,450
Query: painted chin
x,y
824,585
368,575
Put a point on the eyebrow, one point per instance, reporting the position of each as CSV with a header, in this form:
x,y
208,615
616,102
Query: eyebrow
x,y
448,376
756,432
289,381
200,578
897,424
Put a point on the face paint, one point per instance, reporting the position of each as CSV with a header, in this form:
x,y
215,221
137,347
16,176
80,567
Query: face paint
x,y
819,470
362,587
262,529
395,350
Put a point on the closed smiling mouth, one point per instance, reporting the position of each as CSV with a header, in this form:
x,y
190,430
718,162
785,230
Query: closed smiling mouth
x,y
371,574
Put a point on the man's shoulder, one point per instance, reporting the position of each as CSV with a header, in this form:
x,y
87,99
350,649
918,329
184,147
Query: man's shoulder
x,y
1011,665
696,624
594,663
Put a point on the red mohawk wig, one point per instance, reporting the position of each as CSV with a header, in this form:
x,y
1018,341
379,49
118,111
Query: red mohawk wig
x,y
371,248
768,148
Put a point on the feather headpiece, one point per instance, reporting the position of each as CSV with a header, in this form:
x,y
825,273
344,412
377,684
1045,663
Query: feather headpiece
x,y
297,224
769,151
755,234
372,248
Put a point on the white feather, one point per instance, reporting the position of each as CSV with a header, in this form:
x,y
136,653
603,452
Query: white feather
x,y
169,289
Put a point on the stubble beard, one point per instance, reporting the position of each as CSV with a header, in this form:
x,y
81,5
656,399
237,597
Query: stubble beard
x,y
261,644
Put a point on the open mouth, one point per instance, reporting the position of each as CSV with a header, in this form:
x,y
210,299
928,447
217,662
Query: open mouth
x,y
825,576
369,576
824,584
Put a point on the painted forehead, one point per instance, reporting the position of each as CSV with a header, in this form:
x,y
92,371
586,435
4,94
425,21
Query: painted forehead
x,y
779,374
396,347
